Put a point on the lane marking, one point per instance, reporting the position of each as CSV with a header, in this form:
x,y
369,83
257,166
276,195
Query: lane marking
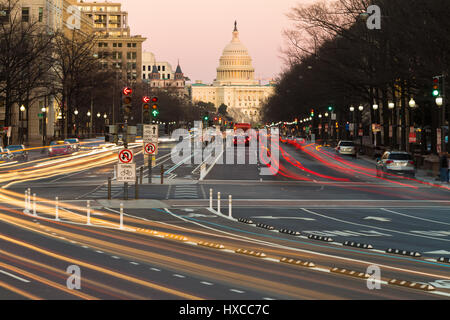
x,y
154,269
179,276
14,276
237,291
135,263
206,283
414,217
115,257
98,251
367,226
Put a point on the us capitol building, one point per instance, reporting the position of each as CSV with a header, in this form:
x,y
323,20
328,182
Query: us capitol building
x,y
235,85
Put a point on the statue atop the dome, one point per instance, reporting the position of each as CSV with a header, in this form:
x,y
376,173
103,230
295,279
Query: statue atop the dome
x,y
235,26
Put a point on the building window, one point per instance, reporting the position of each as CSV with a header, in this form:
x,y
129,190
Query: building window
x,y
25,14
134,45
134,55
168,76
143,76
120,45
164,68
143,69
114,45
41,14
129,45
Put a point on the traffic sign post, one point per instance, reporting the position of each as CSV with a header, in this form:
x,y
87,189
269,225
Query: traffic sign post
x,y
151,148
150,133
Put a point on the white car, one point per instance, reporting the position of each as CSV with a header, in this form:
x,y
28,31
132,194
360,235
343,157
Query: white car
x,y
346,148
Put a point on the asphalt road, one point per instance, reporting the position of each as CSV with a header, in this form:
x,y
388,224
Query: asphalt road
x,y
314,192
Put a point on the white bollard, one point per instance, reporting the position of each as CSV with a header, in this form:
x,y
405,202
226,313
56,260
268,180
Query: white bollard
x,y
34,204
88,212
26,202
121,216
29,199
56,209
218,202
230,202
211,198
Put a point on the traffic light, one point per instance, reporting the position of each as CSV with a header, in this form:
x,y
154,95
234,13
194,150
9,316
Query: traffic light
x,y
206,116
330,108
312,112
146,109
436,87
155,107
127,95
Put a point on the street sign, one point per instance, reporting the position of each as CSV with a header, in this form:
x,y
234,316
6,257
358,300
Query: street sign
x,y
151,148
125,156
150,133
126,172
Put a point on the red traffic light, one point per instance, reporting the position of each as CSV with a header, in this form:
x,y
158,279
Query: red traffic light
x,y
145,99
127,91
155,99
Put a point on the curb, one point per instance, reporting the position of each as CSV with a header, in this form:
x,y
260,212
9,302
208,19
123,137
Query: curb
x,y
211,245
350,273
404,252
357,245
298,262
413,285
265,226
290,232
247,221
320,238
251,253
444,259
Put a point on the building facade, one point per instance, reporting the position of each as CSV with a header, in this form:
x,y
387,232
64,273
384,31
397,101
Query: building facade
x,y
235,85
116,47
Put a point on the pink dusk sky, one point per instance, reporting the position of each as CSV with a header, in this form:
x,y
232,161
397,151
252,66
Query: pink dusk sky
x,y
196,31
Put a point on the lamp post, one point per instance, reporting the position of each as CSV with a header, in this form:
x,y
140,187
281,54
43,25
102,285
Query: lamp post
x,y
22,110
352,110
76,122
44,125
361,109
391,106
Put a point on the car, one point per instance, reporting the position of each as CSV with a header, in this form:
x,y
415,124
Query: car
x,y
74,143
346,148
5,154
59,148
18,152
397,163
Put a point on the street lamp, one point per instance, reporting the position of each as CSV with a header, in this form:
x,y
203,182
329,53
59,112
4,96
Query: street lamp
x,y
98,115
391,105
76,112
22,108
326,114
88,113
360,108
412,103
375,107
352,109
105,116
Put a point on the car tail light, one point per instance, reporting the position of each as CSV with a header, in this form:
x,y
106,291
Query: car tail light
x,y
389,162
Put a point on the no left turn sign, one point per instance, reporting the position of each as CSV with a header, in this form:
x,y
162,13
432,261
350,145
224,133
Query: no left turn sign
x,y
151,148
125,156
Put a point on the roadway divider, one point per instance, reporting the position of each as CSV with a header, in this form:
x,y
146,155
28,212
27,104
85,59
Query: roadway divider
x,y
404,252
175,237
413,285
358,245
444,259
211,245
247,221
251,253
298,262
265,226
320,238
350,273
290,232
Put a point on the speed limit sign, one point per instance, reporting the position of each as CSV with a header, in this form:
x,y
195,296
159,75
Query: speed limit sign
x,y
151,148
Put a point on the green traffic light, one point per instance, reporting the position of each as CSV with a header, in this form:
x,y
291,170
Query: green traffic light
x,y
435,93
155,113
330,108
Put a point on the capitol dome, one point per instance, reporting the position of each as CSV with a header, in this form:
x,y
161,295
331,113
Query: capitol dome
x,y
235,67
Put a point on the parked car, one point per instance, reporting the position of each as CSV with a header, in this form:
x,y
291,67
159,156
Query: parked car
x,y
346,148
396,162
18,152
5,154
74,144
59,148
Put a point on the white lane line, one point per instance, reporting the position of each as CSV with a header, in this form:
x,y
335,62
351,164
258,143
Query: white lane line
x,y
98,251
14,276
206,283
86,247
237,291
154,269
135,263
268,298
179,276
320,269
414,217
369,226
115,257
